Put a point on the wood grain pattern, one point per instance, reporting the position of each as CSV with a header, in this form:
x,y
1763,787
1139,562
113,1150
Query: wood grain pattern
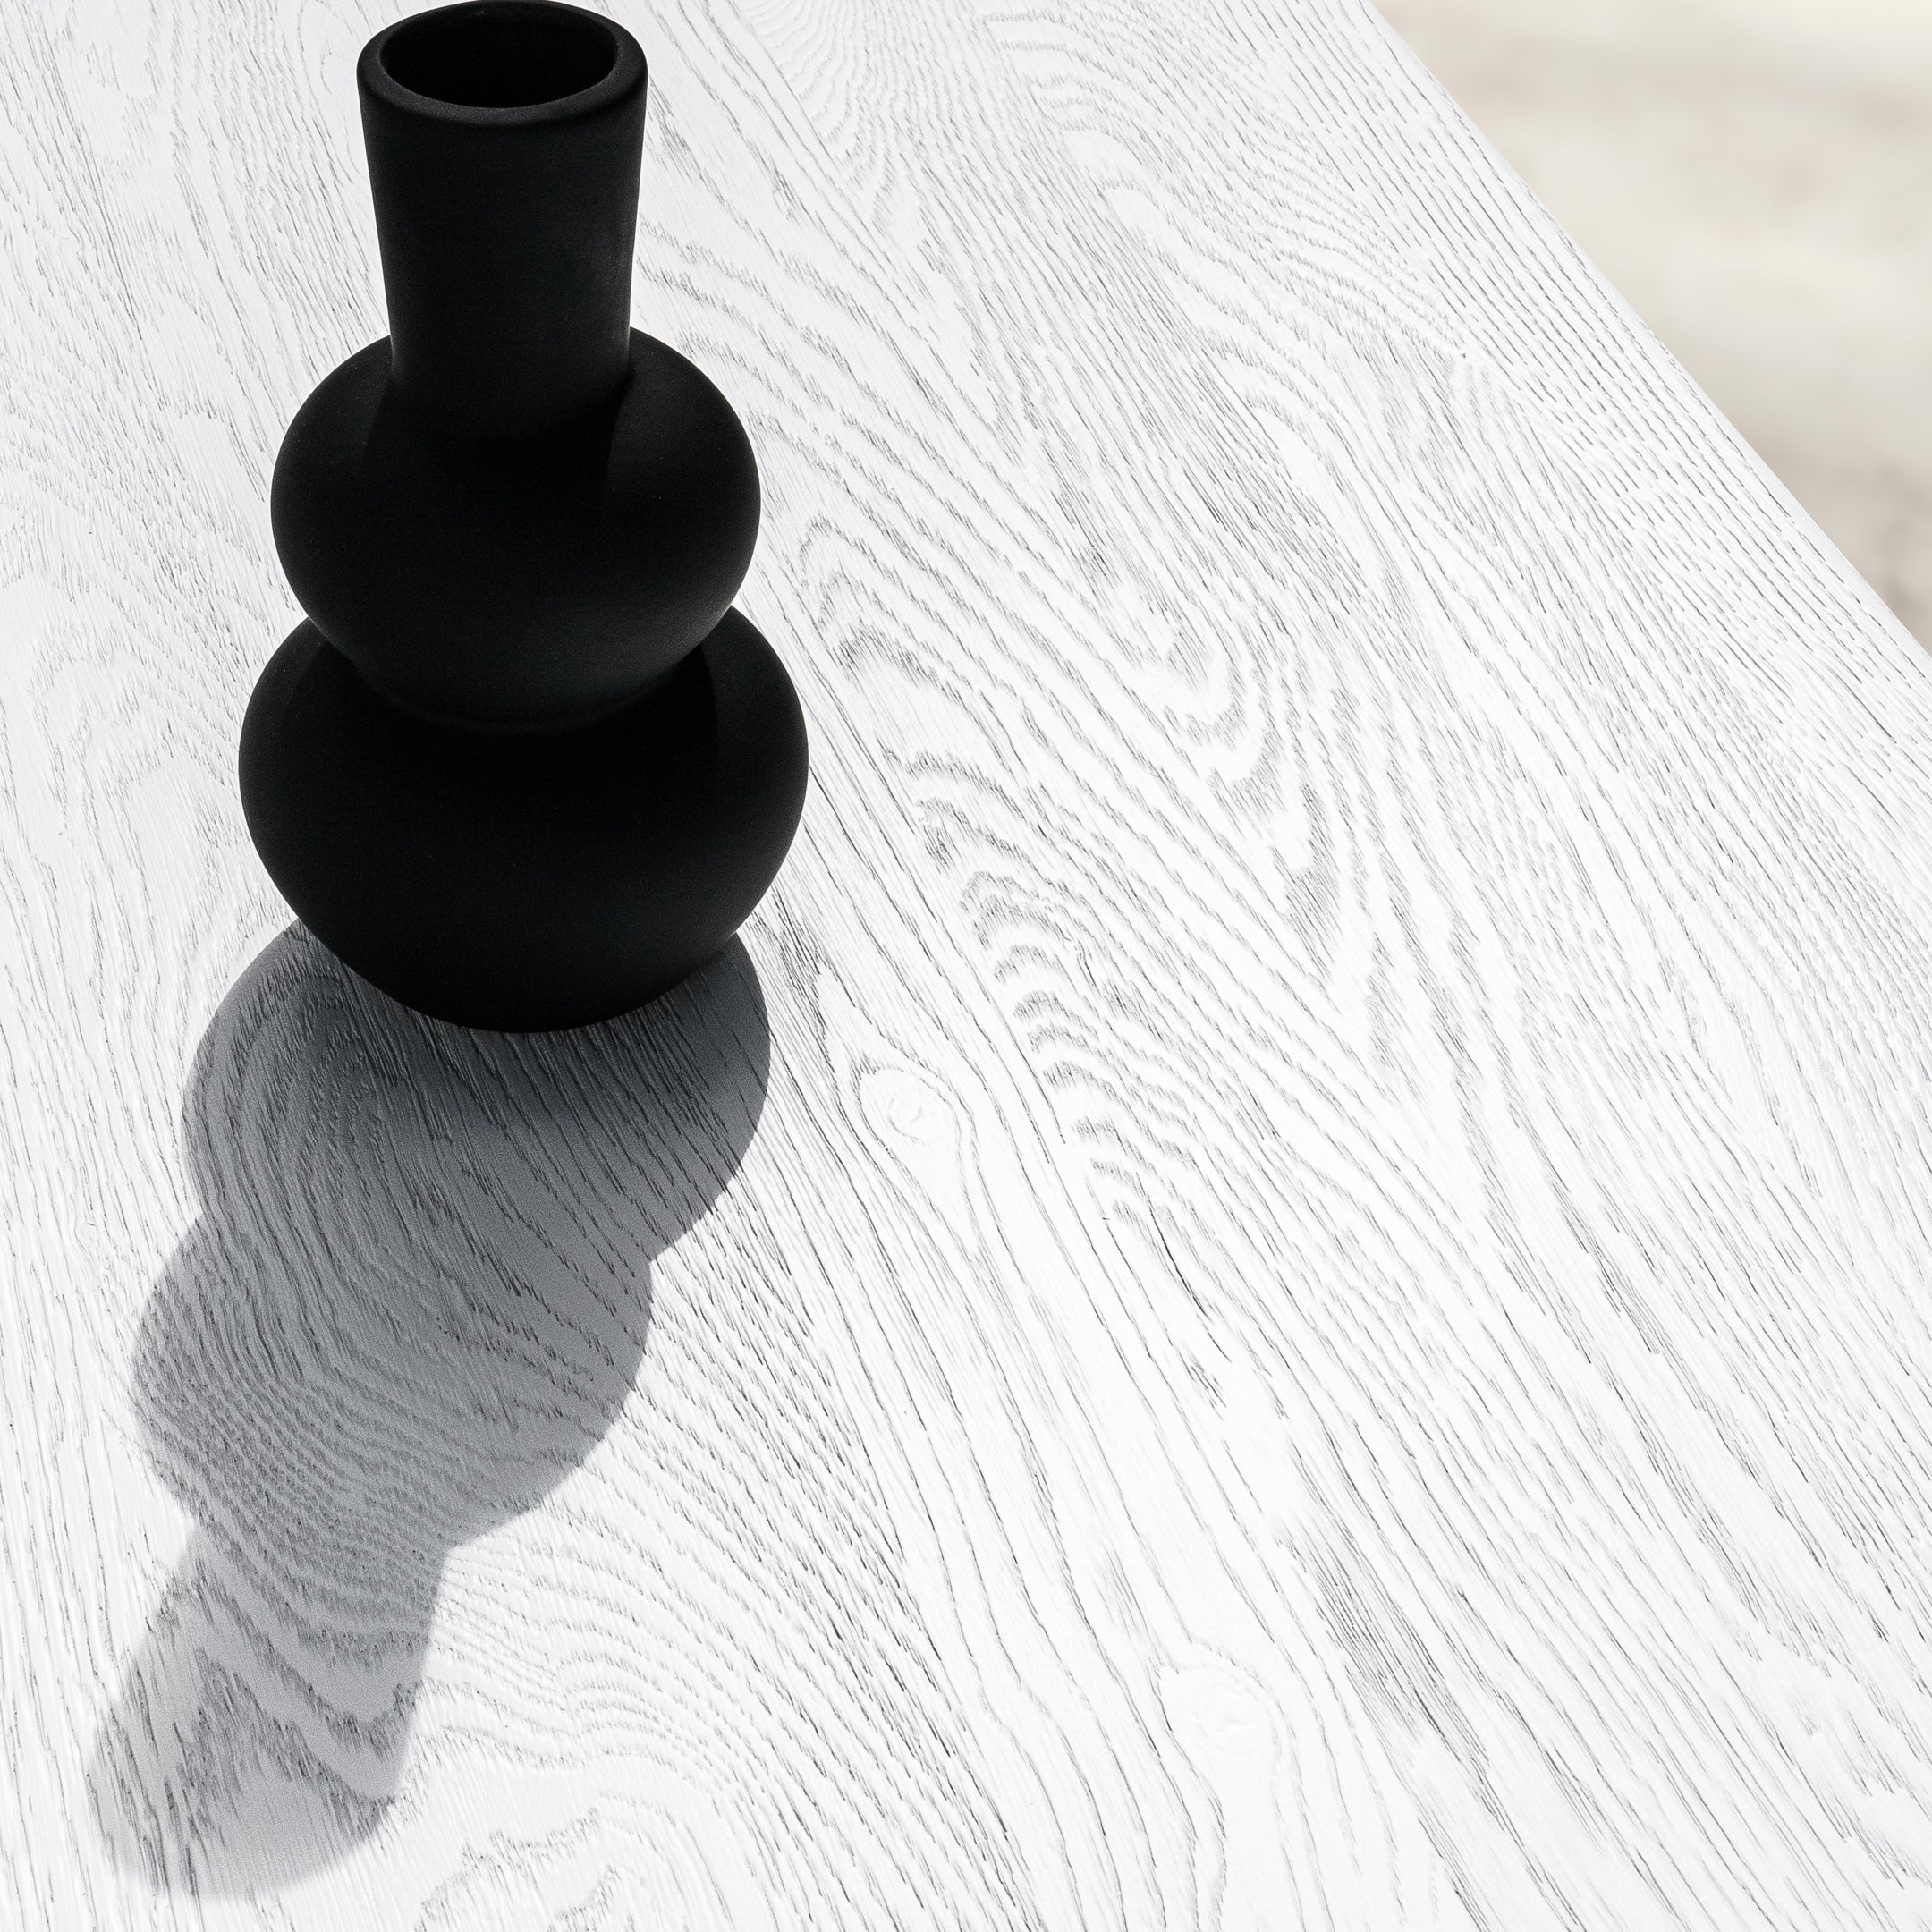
x,y
1324,1322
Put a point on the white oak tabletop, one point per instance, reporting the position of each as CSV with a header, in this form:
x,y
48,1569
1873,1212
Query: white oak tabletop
x,y
1285,1284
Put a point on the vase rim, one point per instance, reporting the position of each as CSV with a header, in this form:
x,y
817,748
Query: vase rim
x,y
625,75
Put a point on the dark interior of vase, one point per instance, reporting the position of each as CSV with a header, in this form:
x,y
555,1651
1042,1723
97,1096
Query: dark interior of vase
x,y
499,54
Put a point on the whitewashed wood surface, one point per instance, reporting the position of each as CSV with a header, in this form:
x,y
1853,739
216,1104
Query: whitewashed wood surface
x,y
1286,1284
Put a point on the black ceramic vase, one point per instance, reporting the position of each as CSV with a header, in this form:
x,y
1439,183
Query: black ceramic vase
x,y
523,766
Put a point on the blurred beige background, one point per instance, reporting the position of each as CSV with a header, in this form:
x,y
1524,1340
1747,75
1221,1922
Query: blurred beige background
x,y
1756,180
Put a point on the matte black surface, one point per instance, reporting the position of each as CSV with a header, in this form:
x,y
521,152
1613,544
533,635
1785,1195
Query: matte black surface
x,y
524,767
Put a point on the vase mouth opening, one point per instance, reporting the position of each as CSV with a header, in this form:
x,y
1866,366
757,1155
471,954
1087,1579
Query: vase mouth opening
x,y
502,57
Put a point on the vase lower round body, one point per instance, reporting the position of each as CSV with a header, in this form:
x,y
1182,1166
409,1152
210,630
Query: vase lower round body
x,y
526,880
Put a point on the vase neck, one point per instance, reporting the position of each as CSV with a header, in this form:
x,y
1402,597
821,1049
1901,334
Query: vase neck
x,y
504,139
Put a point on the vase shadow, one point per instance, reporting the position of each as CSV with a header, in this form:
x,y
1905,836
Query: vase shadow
x,y
414,1302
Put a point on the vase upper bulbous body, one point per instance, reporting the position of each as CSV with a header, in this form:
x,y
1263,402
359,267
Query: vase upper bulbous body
x,y
530,581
